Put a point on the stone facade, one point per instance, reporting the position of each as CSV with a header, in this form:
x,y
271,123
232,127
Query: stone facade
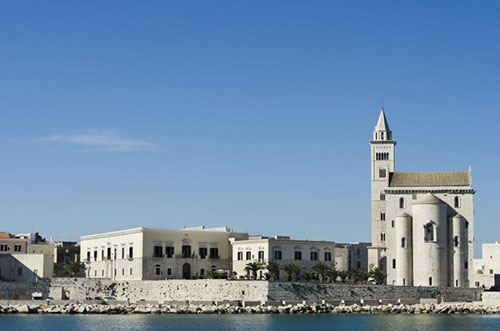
x,y
487,269
26,267
282,250
156,254
182,291
419,219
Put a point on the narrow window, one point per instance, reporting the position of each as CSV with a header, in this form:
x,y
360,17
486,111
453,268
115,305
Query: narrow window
x,y
382,135
186,251
382,216
466,224
240,256
401,202
382,196
249,255
123,252
158,251
157,270
429,232
404,281
382,236
457,202
123,271
214,253
392,223
109,253
430,281
403,242
381,173
277,255
261,256
455,240
131,252
466,265
169,251
328,256
202,251
202,272
314,256
298,255
88,256
169,272
130,271
393,263
456,283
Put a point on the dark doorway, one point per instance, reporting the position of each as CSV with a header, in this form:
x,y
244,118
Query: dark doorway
x,y
186,271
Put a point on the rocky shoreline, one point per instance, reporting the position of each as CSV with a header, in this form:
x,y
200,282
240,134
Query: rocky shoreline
x,y
71,308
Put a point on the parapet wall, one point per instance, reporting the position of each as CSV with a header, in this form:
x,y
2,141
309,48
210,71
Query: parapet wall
x,y
224,290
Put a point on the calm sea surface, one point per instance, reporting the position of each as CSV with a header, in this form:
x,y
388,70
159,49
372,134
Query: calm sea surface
x,y
249,322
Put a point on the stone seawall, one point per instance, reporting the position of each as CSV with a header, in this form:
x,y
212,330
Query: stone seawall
x,y
159,291
295,291
164,291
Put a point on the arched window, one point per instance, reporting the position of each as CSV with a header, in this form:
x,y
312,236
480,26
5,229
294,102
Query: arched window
x,y
403,242
457,202
393,263
158,270
382,135
249,255
240,256
429,232
430,281
401,202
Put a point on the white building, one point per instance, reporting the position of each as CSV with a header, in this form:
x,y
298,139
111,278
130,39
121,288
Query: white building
x,y
354,257
149,254
280,249
487,269
422,223
25,267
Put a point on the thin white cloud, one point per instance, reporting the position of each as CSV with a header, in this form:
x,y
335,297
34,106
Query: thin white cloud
x,y
110,141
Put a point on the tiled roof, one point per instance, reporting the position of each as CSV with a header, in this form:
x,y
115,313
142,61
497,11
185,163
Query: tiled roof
x,y
419,179
4,235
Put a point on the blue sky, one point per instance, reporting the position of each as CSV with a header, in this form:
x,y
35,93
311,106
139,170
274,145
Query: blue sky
x,y
251,114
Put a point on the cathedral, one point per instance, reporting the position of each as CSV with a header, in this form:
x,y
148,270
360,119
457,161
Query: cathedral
x,y
422,222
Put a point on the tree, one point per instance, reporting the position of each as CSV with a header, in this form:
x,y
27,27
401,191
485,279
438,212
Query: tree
x,y
332,274
293,270
75,268
308,276
360,276
254,267
273,269
321,269
343,275
378,275
59,270
211,274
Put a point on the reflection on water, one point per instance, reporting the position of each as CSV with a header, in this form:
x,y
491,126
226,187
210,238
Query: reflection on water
x,y
250,322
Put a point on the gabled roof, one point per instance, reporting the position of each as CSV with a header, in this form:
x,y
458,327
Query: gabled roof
x,y
423,179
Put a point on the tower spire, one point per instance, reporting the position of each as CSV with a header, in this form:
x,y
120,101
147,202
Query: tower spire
x,y
382,130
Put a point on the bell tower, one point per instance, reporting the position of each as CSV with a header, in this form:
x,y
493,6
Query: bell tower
x,y
382,165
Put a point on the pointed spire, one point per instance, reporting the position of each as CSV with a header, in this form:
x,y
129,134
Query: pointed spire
x,y
382,124
382,131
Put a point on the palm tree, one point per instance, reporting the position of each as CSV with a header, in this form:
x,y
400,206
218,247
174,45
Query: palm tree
x,y
76,267
211,274
293,270
274,270
321,269
361,276
378,275
343,275
332,274
254,267
308,276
